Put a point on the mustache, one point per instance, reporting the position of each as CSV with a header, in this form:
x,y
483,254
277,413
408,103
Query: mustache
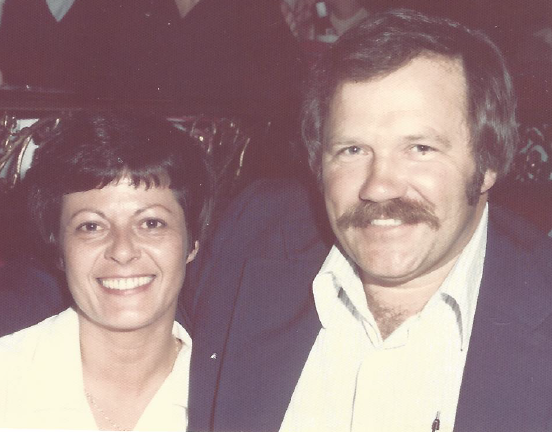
x,y
408,211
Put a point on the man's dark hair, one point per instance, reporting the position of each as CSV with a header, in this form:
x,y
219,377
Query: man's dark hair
x,y
387,41
91,150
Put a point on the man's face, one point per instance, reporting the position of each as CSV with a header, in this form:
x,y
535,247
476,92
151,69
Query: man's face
x,y
396,164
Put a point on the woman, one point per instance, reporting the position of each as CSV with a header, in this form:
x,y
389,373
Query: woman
x,y
121,203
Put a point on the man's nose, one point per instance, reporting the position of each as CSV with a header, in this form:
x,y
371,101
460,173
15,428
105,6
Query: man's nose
x,y
384,180
123,247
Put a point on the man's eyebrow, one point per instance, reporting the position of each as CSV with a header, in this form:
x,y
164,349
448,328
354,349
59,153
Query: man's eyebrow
x,y
429,136
342,141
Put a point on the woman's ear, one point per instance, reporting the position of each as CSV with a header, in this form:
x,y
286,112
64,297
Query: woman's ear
x,y
193,252
60,264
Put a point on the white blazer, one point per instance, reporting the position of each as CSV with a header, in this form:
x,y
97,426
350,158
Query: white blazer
x,y
41,382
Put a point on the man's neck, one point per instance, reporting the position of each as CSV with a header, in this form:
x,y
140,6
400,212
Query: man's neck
x,y
393,305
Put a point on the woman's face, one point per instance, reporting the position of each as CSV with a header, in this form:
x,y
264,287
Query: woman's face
x,y
125,251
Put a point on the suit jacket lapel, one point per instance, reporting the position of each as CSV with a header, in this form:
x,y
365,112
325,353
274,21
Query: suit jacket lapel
x,y
249,353
273,329
507,379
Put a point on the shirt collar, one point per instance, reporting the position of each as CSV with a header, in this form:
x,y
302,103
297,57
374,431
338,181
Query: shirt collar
x,y
341,25
460,289
178,378
59,8
58,366
336,274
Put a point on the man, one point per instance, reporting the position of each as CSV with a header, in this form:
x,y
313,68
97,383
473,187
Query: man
x,y
422,308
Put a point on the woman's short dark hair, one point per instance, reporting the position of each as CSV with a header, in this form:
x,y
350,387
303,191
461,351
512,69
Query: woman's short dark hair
x,y
387,41
91,150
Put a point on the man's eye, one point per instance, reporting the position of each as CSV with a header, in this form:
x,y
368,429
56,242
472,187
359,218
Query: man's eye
x,y
89,227
351,150
153,223
423,149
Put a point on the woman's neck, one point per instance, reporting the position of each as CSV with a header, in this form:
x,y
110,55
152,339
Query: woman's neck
x,y
127,358
123,370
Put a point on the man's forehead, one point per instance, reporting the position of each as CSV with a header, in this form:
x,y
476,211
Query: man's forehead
x,y
452,65
429,76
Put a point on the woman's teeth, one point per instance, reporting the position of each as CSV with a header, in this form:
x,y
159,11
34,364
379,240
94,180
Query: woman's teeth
x,y
125,283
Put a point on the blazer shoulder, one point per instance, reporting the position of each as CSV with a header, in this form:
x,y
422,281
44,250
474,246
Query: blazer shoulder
x,y
264,206
275,220
278,195
524,238
27,338
17,351
518,269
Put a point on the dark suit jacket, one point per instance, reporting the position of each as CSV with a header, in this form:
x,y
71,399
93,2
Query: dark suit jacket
x,y
254,320
28,295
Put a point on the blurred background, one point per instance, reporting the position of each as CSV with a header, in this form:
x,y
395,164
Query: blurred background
x,y
230,73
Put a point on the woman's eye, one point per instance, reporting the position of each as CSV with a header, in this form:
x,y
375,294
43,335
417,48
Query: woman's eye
x,y
89,227
153,223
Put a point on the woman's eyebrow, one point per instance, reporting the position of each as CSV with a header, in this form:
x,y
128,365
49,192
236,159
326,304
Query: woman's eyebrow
x,y
88,210
141,210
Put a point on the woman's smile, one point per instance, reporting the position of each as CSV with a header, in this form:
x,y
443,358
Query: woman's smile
x,y
125,283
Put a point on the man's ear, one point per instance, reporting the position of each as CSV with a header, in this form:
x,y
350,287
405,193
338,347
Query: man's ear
x,y
488,181
193,252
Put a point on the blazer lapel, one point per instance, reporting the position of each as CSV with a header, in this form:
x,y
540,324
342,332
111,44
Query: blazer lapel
x,y
249,353
268,345
507,378
273,329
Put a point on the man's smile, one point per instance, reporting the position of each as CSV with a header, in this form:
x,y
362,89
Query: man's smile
x,y
386,222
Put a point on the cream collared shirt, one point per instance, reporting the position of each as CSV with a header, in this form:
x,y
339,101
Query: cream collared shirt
x,y
355,381
41,382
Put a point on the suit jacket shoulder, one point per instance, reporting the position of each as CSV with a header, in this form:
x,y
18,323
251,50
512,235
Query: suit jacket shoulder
x,y
507,379
271,219
253,317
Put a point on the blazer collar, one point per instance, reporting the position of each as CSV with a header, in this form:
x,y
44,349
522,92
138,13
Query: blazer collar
x,y
506,380
307,233
303,240
517,275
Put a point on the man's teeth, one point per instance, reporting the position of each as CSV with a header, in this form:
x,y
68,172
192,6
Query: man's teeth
x,y
386,222
126,283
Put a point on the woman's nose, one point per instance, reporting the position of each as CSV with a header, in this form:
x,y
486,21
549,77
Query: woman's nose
x,y
123,247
